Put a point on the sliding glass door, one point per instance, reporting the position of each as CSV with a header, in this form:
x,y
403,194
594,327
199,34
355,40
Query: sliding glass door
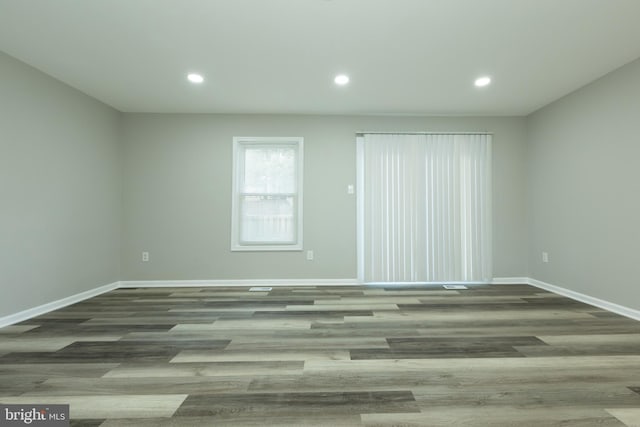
x,y
424,208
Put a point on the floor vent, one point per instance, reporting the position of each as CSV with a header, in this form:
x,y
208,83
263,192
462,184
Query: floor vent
x,y
260,289
454,287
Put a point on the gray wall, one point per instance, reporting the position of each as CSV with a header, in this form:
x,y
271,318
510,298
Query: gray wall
x,y
177,170
60,189
566,182
584,189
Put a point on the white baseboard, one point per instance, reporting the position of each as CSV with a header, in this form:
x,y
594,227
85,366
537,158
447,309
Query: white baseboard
x,y
226,283
606,305
510,281
45,308
54,305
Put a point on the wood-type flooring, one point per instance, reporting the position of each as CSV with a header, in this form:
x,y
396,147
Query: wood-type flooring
x,y
505,355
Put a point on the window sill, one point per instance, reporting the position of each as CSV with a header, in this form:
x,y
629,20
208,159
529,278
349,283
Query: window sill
x,y
266,248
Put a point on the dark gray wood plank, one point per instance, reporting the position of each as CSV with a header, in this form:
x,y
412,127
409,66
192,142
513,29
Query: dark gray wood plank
x,y
302,404
334,356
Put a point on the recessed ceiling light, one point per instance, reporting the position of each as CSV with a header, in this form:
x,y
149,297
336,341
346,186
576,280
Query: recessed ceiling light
x,y
195,78
341,79
483,81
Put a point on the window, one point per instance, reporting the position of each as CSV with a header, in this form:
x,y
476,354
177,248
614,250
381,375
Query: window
x,y
267,194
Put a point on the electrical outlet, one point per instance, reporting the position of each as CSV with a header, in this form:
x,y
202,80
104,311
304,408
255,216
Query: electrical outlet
x,y
309,255
145,256
545,257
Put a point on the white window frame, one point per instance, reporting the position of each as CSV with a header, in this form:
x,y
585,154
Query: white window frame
x,y
236,194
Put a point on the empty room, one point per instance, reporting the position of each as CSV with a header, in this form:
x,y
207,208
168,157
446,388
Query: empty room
x,y
319,213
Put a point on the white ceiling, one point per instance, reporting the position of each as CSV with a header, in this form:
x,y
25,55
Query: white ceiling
x,y
280,56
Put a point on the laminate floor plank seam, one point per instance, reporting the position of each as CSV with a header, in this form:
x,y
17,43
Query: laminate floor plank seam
x,y
328,355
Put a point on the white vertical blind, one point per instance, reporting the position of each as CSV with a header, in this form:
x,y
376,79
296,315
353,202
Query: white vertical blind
x,y
425,208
